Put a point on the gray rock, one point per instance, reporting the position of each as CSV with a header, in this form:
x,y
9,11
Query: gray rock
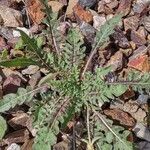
x,y
87,3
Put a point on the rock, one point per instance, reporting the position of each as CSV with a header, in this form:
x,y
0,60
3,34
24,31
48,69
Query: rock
x,y
141,30
140,63
116,61
17,33
6,72
34,8
143,145
64,2
113,4
56,6
88,31
82,15
140,5
142,50
124,7
133,108
32,69
14,146
27,145
11,17
19,136
142,131
119,115
137,38
127,95
87,3
11,84
101,7
34,79
146,23
7,33
131,23
63,27
61,145
3,44
143,98
127,52
70,7
120,38
20,121
98,21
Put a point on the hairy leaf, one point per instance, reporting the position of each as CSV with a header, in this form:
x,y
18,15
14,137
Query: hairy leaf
x,y
3,127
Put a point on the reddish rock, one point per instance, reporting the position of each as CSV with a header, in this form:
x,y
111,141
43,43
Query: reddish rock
x,y
137,38
34,8
121,116
140,63
81,14
124,7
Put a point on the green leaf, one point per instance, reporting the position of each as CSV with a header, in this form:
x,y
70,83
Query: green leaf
x,y
17,62
3,127
11,100
118,89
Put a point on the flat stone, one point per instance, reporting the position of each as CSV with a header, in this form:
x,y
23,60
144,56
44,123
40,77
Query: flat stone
x,y
11,17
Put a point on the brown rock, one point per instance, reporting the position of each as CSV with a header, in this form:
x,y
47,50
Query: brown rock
x,y
34,8
56,6
119,115
19,136
20,120
142,50
128,94
11,84
131,23
27,145
142,32
113,4
116,61
146,23
137,38
11,17
124,7
81,14
101,7
140,63
71,5
120,38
